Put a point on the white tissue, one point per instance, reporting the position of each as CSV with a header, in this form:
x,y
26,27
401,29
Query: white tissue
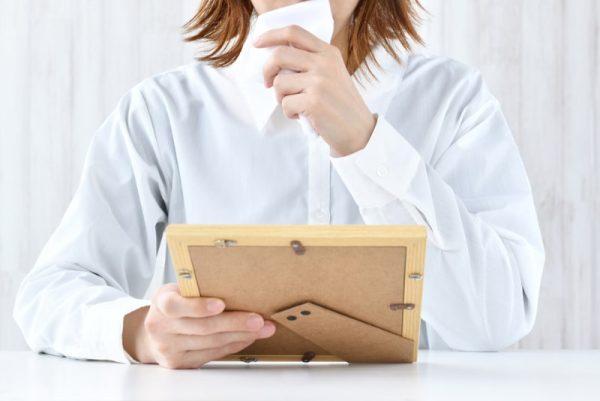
x,y
313,15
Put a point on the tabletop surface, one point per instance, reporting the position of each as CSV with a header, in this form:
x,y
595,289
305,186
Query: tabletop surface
x,y
510,375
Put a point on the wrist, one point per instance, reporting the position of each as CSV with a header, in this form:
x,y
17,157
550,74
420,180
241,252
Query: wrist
x,y
361,138
135,337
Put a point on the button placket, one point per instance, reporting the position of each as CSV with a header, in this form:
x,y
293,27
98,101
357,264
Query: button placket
x,y
319,170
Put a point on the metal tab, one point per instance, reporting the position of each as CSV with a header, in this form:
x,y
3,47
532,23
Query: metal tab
x,y
225,243
298,247
185,274
402,306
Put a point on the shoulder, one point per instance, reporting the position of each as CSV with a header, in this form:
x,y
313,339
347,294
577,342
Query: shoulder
x,y
184,81
173,83
439,68
171,95
149,108
443,75
447,85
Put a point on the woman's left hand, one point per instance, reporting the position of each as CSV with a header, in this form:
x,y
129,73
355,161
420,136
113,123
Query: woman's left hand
x,y
321,88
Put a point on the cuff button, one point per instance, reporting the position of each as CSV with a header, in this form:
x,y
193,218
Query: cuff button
x,y
382,170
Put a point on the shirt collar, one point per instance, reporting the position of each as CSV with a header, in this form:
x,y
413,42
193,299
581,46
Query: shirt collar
x,y
377,94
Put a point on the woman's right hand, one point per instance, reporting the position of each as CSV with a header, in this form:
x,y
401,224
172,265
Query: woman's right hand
x,y
179,333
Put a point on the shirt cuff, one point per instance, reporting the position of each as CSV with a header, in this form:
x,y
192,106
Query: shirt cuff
x,y
383,170
107,328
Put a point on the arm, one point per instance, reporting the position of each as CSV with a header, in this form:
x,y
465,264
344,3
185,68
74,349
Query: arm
x,y
83,299
485,253
98,263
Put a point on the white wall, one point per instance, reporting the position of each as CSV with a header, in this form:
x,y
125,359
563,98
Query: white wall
x,y
64,64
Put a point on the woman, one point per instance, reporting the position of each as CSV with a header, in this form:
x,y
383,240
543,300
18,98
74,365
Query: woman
x,y
423,143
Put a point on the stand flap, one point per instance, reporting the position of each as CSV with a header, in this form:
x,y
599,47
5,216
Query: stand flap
x,y
344,336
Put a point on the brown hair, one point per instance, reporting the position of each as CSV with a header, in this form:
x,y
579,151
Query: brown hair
x,y
373,22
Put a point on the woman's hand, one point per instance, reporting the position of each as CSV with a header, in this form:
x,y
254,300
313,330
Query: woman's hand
x,y
178,332
322,88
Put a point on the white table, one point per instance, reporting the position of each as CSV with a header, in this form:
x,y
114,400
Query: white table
x,y
506,376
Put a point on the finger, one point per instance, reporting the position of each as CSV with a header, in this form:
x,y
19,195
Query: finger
x,y
223,322
285,57
293,35
294,105
290,84
173,305
196,343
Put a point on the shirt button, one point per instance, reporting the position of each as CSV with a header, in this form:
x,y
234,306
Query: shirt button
x,y
382,170
320,215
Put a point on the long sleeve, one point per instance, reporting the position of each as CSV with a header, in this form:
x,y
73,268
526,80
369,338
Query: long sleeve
x,y
98,263
485,254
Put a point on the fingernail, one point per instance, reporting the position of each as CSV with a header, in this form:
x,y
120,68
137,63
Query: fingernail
x,y
255,40
214,305
267,331
254,322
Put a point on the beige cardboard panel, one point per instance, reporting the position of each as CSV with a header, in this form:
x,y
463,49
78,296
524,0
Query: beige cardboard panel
x,y
357,281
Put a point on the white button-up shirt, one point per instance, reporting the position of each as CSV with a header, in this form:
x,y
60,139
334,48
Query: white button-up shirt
x,y
197,145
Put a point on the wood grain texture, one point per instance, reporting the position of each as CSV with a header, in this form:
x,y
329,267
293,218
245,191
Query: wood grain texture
x,y
65,63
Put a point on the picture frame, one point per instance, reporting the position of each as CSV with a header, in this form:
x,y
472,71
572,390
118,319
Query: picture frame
x,y
335,292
